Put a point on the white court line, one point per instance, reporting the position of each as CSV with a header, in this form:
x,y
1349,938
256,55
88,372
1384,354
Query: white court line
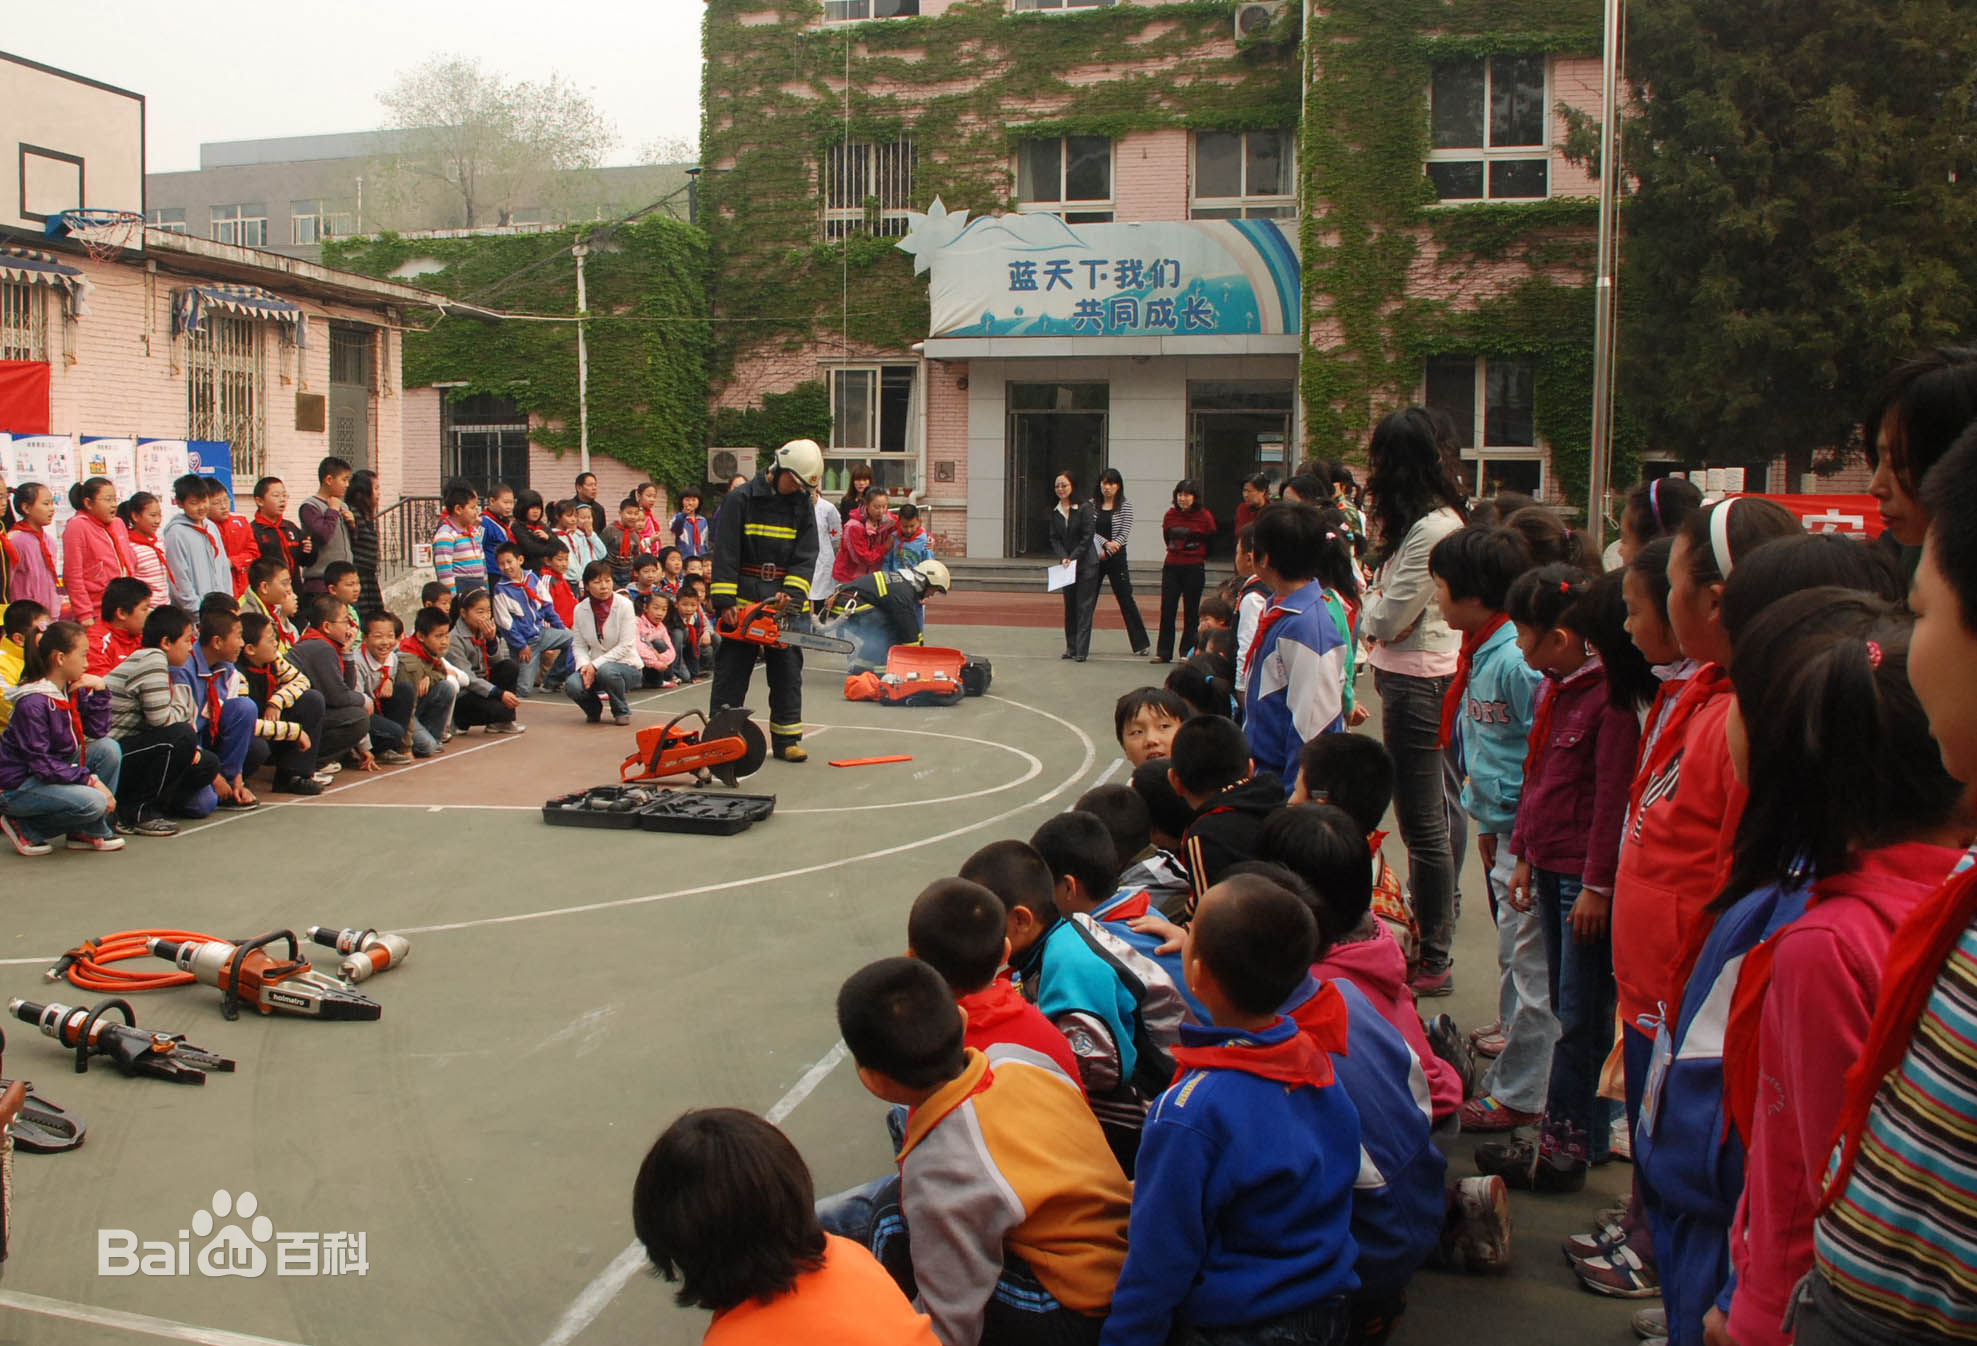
x,y
134,1322
1106,775
597,1296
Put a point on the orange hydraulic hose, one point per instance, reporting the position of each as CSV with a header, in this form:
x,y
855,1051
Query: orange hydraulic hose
x,y
88,964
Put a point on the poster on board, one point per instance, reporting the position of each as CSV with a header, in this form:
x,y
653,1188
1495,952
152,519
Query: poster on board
x,y
51,460
112,456
161,462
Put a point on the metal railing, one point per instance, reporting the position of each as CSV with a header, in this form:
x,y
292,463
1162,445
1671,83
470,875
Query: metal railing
x,y
405,535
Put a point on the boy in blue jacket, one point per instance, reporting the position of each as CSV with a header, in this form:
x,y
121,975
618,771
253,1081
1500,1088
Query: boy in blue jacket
x,y
1296,662
1242,1205
1487,715
528,623
1116,1008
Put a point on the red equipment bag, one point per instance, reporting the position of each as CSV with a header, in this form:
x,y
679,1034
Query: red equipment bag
x,y
915,675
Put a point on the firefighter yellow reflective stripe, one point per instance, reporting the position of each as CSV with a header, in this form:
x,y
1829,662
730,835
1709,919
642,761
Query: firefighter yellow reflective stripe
x,y
769,530
796,582
785,729
879,580
723,588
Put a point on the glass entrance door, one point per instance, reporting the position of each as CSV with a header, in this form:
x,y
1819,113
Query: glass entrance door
x,y
1053,428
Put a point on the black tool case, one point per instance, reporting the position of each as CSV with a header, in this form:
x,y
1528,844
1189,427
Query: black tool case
x,y
623,807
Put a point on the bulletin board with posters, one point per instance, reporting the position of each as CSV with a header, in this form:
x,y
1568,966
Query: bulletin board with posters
x,y
61,461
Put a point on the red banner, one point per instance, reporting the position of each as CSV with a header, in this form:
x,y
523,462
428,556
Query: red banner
x,y
24,397
1859,515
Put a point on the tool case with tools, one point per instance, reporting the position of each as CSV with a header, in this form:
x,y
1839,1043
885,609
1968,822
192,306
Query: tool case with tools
x,y
640,807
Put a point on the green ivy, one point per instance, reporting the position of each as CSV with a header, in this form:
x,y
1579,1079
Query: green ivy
x,y
804,412
648,340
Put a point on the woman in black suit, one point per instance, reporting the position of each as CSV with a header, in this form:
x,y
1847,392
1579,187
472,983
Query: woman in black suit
x,y
1071,528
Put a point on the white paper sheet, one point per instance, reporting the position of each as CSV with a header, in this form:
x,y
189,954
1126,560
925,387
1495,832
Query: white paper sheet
x,y
1062,577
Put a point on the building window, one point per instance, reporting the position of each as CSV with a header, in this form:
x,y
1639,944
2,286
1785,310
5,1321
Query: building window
x,y
1488,124
223,390
1495,396
867,188
23,322
486,440
845,11
1071,176
315,222
170,218
245,225
1242,175
1024,6
871,412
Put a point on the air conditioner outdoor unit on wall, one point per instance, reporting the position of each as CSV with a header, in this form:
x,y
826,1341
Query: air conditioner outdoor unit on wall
x,y
1254,17
725,463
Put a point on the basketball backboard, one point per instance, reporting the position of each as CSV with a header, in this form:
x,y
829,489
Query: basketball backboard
x,y
66,143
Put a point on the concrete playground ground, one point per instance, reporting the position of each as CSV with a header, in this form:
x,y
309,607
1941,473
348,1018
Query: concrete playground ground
x,y
568,993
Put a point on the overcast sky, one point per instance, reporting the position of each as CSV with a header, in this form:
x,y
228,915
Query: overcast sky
x,y
274,70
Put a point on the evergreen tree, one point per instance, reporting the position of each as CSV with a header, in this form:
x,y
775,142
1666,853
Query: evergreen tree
x,y
1803,219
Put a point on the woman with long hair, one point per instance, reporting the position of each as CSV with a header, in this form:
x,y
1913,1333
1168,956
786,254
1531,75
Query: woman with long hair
x,y
1414,502
1112,522
1071,530
362,498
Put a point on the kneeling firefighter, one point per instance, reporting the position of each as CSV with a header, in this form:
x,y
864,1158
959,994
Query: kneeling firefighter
x,y
765,547
882,610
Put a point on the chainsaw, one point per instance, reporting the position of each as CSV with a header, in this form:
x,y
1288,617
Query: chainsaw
x,y
162,1056
771,622
726,747
246,975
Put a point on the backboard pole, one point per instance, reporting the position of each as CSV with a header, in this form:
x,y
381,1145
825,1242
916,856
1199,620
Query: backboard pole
x,y
582,251
1604,327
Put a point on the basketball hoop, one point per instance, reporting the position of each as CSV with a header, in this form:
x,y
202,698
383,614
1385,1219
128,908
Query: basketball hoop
x,y
102,233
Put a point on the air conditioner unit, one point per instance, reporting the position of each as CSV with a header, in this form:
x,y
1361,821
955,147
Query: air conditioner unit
x,y
1254,17
725,463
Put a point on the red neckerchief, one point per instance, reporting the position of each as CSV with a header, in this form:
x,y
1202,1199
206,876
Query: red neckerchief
x,y
1921,945
1272,614
315,633
158,550
47,553
384,676
411,645
627,539
283,627
120,546
480,643
75,723
1131,909
600,612
214,701
1303,1058
1472,641
281,541
263,678
1375,839
507,530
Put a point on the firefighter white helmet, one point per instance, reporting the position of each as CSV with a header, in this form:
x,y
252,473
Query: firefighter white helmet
x,y
804,458
934,573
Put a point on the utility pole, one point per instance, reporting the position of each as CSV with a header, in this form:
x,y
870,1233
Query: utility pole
x,y
581,251
1604,285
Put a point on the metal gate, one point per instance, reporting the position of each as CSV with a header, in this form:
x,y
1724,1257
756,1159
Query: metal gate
x,y
223,391
350,386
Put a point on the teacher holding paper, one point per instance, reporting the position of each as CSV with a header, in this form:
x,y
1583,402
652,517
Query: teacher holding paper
x,y
1071,527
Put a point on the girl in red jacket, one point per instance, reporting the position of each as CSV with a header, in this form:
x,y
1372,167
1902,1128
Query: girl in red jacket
x,y
1835,749
95,548
1187,530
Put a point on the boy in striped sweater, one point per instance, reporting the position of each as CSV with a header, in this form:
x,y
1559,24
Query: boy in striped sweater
x,y
151,717
290,723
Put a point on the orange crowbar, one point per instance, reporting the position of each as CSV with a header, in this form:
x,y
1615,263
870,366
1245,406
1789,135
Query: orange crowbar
x,y
872,761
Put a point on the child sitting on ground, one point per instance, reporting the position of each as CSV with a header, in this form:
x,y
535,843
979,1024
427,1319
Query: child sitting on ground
x,y
672,569
724,1206
436,595
646,572
342,582
222,713
551,585
119,630
531,632
1119,1012
1211,770
393,704
1144,721
655,647
1149,869
58,763
1242,1207
165,771
1017,1210
270,593
436,684
691,633
288,724
961,931
319,657
23,619
489,698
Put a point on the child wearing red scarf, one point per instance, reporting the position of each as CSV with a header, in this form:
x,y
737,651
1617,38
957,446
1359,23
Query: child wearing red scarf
x,y
58,764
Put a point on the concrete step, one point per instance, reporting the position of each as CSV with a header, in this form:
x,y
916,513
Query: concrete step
x,y
1022,574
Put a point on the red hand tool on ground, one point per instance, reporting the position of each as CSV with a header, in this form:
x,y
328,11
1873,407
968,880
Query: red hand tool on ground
x,y
161,1056
246,975
725,748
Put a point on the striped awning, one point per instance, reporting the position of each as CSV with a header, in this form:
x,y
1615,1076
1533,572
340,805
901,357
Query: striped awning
x,y
191,304
24,266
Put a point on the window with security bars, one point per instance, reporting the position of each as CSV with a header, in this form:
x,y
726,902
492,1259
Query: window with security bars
x,y
1488,130
867,188
223,391
23,322
350,356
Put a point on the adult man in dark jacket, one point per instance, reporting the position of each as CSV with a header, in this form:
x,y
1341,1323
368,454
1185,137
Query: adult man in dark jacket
x,y
765,546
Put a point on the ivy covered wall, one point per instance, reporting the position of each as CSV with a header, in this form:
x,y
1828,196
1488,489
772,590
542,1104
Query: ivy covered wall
x,y
648,339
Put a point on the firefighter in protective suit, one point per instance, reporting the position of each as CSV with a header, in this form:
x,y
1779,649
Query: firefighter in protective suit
x,y
882,610
765,546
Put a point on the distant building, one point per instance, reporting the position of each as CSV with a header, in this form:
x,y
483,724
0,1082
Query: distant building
x,y
290,193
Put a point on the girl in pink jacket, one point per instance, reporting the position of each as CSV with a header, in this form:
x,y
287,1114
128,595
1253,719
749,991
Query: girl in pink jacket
x,y
95,548
655,647
1843,775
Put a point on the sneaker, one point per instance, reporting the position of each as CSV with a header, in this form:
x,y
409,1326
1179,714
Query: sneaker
x,y
22,846
328,768
1437,983
1487,1030
393,757
1482,1233
1620,1274
298,785
323,778
1602,1240
449,736
147,827
509,728
1511,1160
89,841
1487,1114
621,720
1651,1322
